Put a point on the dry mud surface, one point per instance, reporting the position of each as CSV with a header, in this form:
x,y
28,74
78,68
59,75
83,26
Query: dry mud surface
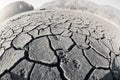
x,y
59,45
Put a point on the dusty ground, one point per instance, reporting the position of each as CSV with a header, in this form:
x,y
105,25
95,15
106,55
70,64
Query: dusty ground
x,y
59,45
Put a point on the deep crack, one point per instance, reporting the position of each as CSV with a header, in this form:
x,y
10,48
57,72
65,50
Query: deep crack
x,y
58,61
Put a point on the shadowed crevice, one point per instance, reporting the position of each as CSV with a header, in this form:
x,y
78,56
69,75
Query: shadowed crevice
x,y
83,52
29,74
61,71
89,73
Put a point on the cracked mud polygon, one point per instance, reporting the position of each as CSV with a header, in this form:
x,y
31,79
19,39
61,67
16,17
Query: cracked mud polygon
x,y
59,45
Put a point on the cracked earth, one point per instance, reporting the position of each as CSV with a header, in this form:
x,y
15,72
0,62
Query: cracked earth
x,y
59,45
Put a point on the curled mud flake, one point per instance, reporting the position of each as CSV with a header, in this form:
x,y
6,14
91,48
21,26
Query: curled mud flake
x,y
85,32
2,50
34,33
2,40
60,42
56,30
44,31
39,50
75,28
66,33
7,62
6,44
63,25
21,40
96,59
99,47
80,41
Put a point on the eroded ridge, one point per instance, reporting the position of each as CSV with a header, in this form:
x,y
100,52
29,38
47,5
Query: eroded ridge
x,y
59,45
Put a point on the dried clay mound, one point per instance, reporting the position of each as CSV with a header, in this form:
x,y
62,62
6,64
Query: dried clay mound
x,y
13,9
59,45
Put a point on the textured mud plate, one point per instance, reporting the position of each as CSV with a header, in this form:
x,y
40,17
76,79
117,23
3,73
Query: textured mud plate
x,y
59,45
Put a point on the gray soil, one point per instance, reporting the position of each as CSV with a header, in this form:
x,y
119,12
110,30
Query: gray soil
x,y
59,45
